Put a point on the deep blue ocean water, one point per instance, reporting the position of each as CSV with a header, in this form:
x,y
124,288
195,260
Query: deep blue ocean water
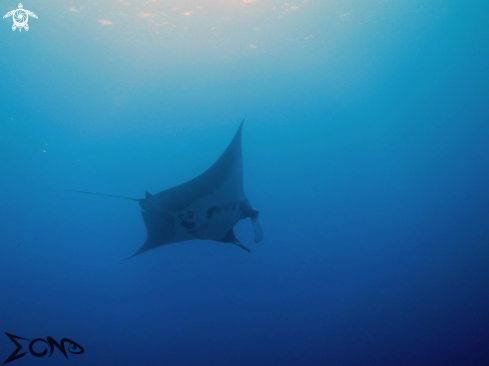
x,y
366,151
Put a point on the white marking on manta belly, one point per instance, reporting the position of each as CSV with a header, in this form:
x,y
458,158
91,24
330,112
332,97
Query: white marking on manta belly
x,y
215,227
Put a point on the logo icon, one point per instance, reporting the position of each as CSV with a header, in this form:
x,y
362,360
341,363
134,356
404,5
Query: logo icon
x,y
20,16
44,346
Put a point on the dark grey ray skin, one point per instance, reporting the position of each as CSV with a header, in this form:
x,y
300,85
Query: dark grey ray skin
x,y
206,207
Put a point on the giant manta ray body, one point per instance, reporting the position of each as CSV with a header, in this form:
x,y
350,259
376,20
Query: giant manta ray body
x,y
206,207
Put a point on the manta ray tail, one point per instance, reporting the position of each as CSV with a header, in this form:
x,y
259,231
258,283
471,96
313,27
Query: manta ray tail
x,y
106,195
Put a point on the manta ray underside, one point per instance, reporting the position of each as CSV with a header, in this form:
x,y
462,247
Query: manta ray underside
x,y
206,207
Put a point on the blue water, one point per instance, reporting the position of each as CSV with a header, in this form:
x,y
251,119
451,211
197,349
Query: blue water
x,y
366,151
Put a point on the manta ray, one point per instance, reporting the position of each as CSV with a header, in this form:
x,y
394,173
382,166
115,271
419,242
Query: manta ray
x,y
206,207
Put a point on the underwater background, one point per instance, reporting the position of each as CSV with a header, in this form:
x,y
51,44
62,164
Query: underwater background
x,y
366,151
